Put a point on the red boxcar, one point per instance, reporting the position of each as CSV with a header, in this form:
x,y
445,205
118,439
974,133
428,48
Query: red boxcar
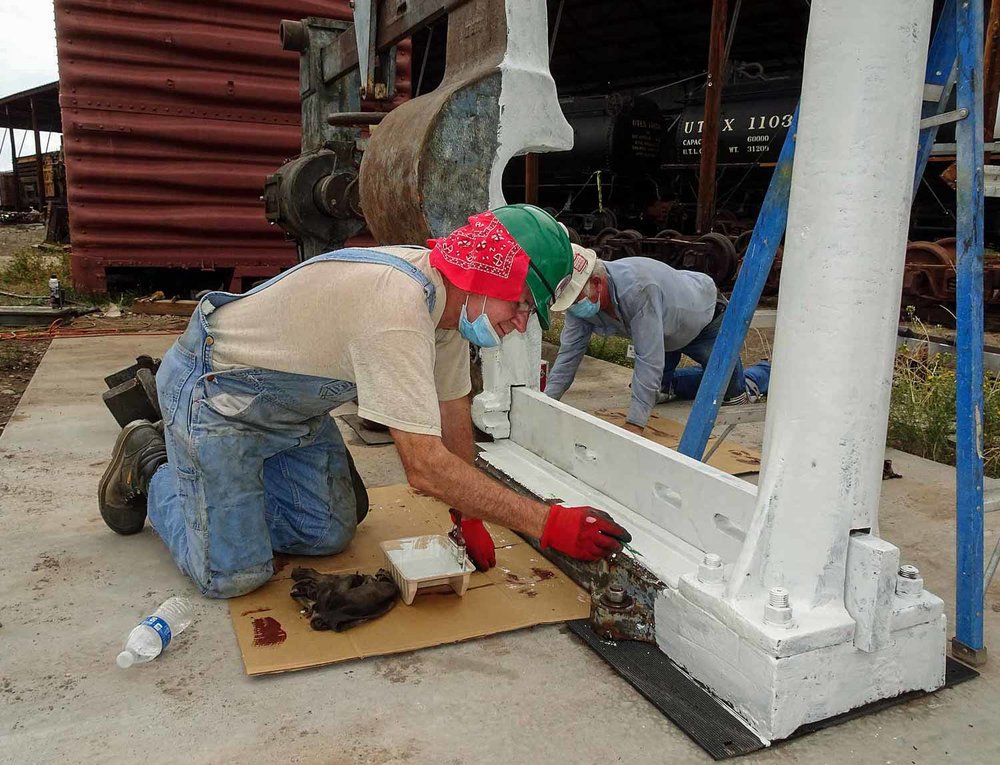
x,y
174,112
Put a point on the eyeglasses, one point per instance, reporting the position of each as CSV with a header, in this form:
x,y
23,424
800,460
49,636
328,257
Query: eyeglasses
x,y
523,306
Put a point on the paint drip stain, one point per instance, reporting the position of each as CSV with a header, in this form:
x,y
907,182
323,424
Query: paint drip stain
x,y
280,562
255,611
267,632
542,574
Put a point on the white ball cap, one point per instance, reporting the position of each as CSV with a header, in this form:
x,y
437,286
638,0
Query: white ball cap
x,y
583,267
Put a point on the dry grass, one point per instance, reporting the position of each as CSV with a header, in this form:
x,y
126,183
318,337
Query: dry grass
x,y
614,349
922,409
27,270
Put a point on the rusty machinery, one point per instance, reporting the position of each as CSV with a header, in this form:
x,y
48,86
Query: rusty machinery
x,y
433,160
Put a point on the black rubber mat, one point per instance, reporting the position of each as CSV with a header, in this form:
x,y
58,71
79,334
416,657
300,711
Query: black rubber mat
x,y
700,715
695,711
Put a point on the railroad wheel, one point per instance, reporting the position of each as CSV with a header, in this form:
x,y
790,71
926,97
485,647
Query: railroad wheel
x,y
669,233
927,271
629,243
604,219
721,261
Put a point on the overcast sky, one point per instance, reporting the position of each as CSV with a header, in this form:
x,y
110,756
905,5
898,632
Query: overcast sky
x,y
28,48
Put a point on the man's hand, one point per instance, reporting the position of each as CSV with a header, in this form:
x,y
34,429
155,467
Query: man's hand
x,y
631,427
584,533
478,542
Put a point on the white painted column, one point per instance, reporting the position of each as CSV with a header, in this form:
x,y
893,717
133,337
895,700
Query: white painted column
x,y
840,291
531,120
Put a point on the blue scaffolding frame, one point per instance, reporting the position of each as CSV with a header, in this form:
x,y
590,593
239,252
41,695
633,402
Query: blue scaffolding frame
x,y
955,59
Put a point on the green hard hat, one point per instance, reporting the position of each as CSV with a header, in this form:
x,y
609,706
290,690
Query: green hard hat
x,y
547,245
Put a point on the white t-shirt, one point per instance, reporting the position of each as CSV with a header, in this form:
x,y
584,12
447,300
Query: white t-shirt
x,y
363,322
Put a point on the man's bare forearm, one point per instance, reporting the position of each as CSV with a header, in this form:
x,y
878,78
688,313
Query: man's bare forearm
x,y
456,428
433,469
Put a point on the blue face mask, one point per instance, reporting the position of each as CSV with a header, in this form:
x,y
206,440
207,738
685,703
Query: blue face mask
x,y
584,309
479,332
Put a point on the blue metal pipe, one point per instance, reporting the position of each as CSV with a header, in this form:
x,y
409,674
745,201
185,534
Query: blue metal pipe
x,y
969,309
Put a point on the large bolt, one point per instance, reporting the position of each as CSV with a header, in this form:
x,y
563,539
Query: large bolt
x,y
711,570
615,594
909,583
777,612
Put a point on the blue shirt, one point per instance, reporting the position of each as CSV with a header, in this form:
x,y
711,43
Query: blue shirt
x,y
659,308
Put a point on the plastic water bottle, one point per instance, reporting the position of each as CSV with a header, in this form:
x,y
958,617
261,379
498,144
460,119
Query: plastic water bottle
x,y
155,632
55,293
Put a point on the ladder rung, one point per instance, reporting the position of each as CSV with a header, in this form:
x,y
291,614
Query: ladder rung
x,y
944,118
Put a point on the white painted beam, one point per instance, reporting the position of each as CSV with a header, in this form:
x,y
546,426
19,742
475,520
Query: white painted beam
x,y
697,503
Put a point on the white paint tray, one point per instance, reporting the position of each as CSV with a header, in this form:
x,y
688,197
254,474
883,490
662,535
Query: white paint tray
x,y
426,561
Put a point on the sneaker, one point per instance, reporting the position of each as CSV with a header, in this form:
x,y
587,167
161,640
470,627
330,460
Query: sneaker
x,y
121,494
737,400
664,397
753,392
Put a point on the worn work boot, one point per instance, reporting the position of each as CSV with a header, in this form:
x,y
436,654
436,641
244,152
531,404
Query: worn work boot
x,y
360,492
121,494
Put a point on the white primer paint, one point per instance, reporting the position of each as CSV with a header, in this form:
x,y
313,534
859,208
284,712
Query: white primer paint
x,y
870,589
851,641
697,503
841,278
777,695
662,554
531,120
827,415
516,363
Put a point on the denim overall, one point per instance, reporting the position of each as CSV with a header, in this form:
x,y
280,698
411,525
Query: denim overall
x,y
254,463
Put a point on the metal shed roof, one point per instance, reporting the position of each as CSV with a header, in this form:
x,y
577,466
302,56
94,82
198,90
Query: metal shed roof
x,y
15,109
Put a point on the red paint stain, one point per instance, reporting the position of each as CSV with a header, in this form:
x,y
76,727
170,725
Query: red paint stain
x,y
268,631
280,562
255,611
531,593
542,574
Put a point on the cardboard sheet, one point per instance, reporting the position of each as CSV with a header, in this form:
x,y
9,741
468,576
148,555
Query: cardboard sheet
x,y
524,589
730,458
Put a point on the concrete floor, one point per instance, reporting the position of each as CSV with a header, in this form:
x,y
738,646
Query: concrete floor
x,y
70,590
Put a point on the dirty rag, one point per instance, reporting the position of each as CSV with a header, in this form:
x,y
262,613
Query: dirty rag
x,y
340,601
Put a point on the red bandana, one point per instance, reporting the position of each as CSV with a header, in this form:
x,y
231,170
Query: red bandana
x,y
482,257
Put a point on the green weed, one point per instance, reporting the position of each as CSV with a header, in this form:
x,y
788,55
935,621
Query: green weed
x,y
922,409
27,271
613,349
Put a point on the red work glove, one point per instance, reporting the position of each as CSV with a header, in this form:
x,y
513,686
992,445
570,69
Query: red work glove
x,y
478,542
584,533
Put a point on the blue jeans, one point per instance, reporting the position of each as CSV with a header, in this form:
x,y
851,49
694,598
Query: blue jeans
x,y
254,463
254,466
699,350
687,380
